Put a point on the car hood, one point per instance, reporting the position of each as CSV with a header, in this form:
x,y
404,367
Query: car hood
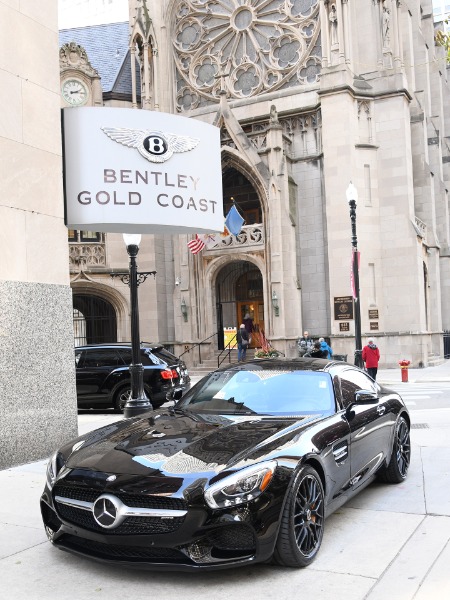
x,y
183,444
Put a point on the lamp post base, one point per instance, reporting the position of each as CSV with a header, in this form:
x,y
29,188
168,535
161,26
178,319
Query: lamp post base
x,y
137,403
135,407
358,359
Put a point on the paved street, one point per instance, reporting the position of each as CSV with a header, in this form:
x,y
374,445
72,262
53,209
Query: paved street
x,y
390,543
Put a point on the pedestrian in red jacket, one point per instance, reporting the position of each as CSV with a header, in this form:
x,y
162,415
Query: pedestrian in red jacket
x,y
371,356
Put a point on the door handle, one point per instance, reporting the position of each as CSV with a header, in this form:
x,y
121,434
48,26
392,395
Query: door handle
x,y
381,410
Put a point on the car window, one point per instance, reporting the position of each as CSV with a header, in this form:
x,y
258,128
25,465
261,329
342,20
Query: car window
x,y
147,358
165,356
274,392
102,358
78,359
352,381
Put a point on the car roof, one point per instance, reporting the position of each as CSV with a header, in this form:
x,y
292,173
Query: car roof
x,y
144,345
295,364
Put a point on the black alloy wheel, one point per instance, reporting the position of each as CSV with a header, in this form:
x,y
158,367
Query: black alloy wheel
x,y
302,521
397,469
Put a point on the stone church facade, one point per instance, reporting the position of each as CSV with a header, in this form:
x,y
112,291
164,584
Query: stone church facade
x,y
309,96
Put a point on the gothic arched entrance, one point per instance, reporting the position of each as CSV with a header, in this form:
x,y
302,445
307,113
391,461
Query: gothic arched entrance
x,y
239,291
94,320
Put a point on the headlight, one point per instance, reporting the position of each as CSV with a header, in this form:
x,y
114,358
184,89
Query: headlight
x,y
54,466
243,486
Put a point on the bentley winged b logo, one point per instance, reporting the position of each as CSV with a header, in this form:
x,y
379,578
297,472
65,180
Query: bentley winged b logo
x,y
154,146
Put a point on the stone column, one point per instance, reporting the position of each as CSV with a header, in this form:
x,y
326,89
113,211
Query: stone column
x,y
395,35
155,78
146,99
133,74
377,11
347,29
325,37
340,29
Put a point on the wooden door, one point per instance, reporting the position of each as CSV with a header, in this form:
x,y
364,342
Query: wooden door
x,y
255,309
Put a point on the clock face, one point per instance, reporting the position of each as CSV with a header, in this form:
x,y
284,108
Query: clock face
x,y
74,92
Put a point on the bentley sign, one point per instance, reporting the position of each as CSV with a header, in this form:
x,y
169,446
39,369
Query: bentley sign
x,y
137,171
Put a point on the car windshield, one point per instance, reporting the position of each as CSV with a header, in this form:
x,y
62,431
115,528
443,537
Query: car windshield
x,y
266,392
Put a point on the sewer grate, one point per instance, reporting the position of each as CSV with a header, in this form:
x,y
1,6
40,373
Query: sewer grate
x,y
420,426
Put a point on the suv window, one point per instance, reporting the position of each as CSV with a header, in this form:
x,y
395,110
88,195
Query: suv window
x,y
165,356
147,357
78,361
352,381
102,358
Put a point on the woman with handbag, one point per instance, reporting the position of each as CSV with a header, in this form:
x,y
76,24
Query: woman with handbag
x,y
242,340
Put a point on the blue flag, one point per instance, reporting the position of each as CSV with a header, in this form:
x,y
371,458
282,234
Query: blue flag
x,y
234,221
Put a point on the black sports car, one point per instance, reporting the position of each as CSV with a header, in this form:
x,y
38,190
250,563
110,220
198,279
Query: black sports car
x,y
244,468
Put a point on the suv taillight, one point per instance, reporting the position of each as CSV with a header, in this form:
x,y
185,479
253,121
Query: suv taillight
x,y
169,374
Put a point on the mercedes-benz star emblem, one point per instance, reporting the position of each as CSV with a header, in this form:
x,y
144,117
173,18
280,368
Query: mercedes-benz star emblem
x,y
106,511
155,146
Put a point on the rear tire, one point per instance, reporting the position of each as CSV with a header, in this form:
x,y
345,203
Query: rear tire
x,y
122,394
302,521
398,466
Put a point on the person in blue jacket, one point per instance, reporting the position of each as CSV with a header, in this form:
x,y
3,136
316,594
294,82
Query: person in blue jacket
x,y
326,348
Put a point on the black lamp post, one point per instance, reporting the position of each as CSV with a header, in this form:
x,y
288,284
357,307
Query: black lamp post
x,y
352,197
138,402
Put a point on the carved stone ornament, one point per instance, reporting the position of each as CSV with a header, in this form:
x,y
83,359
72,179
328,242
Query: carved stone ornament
x,y
73,56
244,48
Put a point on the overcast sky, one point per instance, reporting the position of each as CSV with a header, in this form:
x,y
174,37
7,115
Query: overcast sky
x,y
77,13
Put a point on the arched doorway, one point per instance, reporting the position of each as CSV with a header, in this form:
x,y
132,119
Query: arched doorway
x,y
239,291
94,320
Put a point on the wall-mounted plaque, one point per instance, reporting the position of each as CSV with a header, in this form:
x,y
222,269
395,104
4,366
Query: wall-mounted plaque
x,y
373,313
344,326
343,308
373,326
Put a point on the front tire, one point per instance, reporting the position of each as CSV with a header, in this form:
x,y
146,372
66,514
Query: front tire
x,y
398,466
302,521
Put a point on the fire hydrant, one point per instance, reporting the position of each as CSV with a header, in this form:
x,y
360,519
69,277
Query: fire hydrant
x,y
404,364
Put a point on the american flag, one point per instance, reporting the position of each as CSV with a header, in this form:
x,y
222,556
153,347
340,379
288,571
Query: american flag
x,y
196,245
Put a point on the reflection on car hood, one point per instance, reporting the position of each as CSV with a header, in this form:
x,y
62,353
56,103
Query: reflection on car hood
x,y
174,445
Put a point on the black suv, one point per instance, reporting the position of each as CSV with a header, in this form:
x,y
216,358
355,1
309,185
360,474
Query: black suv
x,y
103,377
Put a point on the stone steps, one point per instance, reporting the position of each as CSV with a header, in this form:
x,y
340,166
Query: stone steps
x,y
434,360
210,364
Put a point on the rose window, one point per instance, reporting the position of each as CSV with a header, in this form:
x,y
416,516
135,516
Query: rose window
x,y
244,47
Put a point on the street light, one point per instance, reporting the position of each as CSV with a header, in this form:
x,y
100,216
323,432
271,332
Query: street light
x,y
352,198
184,309
276,306
138,402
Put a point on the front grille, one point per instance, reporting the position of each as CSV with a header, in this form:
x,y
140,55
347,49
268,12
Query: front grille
x,y
118,552
136,500
131,525
238,537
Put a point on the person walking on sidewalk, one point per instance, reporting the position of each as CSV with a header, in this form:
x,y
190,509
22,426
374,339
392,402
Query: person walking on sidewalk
x,y
371,357
242,340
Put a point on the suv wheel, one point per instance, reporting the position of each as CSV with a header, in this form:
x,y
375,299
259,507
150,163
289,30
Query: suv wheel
x,y
123,393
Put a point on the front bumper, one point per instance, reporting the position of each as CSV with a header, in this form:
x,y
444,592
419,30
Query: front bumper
x,y
201,539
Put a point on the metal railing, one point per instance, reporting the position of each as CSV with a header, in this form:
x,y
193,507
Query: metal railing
x,y
199,344
228,348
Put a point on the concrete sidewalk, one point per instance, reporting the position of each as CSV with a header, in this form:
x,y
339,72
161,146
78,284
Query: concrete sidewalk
x,y
440,373
392,542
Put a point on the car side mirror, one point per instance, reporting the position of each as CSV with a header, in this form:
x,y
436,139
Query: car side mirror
x,y
365,397
361,398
